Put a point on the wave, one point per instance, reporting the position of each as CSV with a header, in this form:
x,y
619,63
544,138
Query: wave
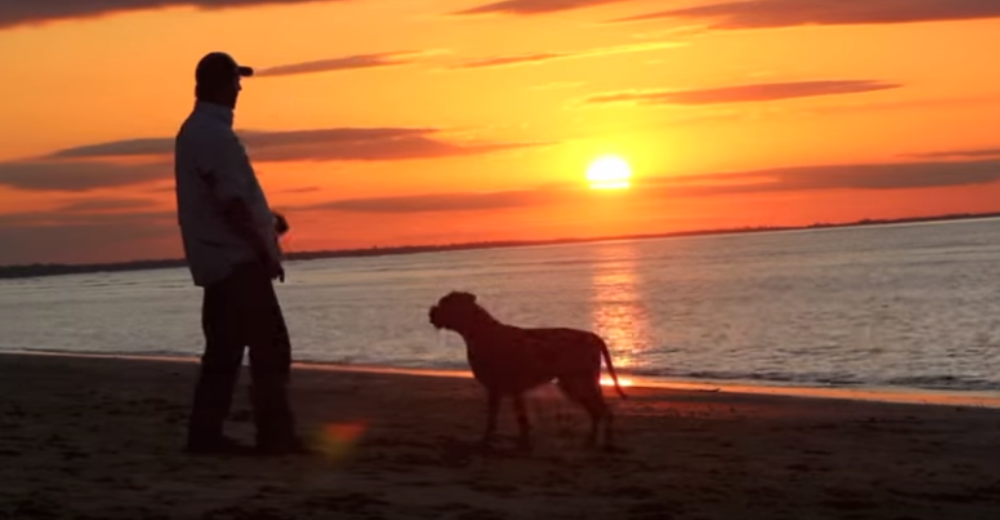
x,y
832,380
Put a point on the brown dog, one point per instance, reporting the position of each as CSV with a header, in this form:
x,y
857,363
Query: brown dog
x,y
509,361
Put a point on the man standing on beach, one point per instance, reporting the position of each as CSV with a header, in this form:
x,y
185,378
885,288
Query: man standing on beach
x,y
231,246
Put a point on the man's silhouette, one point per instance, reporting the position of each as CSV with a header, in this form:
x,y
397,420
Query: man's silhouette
x,y
231,245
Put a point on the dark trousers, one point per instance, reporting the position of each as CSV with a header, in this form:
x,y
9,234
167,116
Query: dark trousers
x,y
240,312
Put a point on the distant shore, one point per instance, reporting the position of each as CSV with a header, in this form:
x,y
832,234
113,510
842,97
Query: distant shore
x,y
102,438
37,270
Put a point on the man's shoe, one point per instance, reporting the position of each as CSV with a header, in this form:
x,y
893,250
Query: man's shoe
x,y
221,446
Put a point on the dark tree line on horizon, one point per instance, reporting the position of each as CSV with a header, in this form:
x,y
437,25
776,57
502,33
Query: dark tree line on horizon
x,y
39,269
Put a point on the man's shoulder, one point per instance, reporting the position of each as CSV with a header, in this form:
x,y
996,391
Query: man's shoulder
x,y
197,132
197,125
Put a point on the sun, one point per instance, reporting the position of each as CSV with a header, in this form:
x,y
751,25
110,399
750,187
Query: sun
x,y
609,173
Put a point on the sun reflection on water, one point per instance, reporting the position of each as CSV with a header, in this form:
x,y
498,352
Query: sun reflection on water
x,y
618,312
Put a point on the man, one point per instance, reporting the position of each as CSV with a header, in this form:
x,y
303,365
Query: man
x,y
231,245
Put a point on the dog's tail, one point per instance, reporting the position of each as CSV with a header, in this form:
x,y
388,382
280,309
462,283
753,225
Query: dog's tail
x,y
611,368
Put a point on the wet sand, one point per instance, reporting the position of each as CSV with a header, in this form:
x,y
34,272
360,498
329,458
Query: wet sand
x,y
101,438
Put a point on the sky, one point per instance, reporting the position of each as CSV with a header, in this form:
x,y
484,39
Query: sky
x,y
404,122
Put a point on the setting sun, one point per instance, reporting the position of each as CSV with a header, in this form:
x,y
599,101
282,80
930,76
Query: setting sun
x,y
609,173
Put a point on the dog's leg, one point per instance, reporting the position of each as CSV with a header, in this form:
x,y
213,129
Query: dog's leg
x,y
586,392
575,388
524,441
595,419
593,400
599,412
493,409
609,434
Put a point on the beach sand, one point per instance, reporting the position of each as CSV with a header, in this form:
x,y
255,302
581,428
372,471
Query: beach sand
x,y
101,438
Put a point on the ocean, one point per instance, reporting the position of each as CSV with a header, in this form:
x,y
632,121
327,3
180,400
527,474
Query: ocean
x,y
907,306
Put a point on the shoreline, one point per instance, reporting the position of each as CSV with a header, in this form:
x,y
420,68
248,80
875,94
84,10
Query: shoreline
x,y
888,395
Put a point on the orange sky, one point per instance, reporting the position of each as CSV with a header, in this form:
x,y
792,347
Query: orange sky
x,y
430,126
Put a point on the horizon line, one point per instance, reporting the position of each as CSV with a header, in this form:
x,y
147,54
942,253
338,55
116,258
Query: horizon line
x,y
37,269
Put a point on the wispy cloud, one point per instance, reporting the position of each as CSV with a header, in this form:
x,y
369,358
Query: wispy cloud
x,y
33,12
329,144
360,61
528,59
304,189
105,204
126,147
534,7
60,236
442,202
78,176
958,154
758,14
521,59
891,176
109,228
99,165
743,93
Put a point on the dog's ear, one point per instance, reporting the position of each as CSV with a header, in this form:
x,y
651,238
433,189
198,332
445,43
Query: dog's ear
x,y
466,297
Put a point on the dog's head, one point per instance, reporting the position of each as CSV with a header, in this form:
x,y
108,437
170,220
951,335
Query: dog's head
x,y
455,311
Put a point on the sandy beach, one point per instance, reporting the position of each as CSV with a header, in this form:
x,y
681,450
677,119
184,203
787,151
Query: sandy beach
x,y
101,438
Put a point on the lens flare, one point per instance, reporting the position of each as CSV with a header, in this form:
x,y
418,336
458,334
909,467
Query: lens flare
x,y
337,440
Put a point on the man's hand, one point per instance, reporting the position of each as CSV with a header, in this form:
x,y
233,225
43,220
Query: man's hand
x,y
274,268
280,223
280,227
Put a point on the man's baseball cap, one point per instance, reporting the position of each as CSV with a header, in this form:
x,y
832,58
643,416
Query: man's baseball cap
x,y
219,67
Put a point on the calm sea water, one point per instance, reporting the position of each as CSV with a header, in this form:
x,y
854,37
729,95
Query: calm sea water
x,y
914,306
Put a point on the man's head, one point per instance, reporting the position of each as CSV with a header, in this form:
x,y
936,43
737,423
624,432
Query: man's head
x,y
217,79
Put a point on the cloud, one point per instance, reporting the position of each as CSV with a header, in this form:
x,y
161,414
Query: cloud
x,y
502,61
958,154
534,7
74,237
102,204
446,202
95,166
361,61
78,176
891,176
95,230
303,189
790,13
526,59
332,144
34,12
64,216
127,147
743,93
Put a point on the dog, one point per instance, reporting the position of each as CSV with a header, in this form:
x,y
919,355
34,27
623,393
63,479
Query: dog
x,y
509,361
